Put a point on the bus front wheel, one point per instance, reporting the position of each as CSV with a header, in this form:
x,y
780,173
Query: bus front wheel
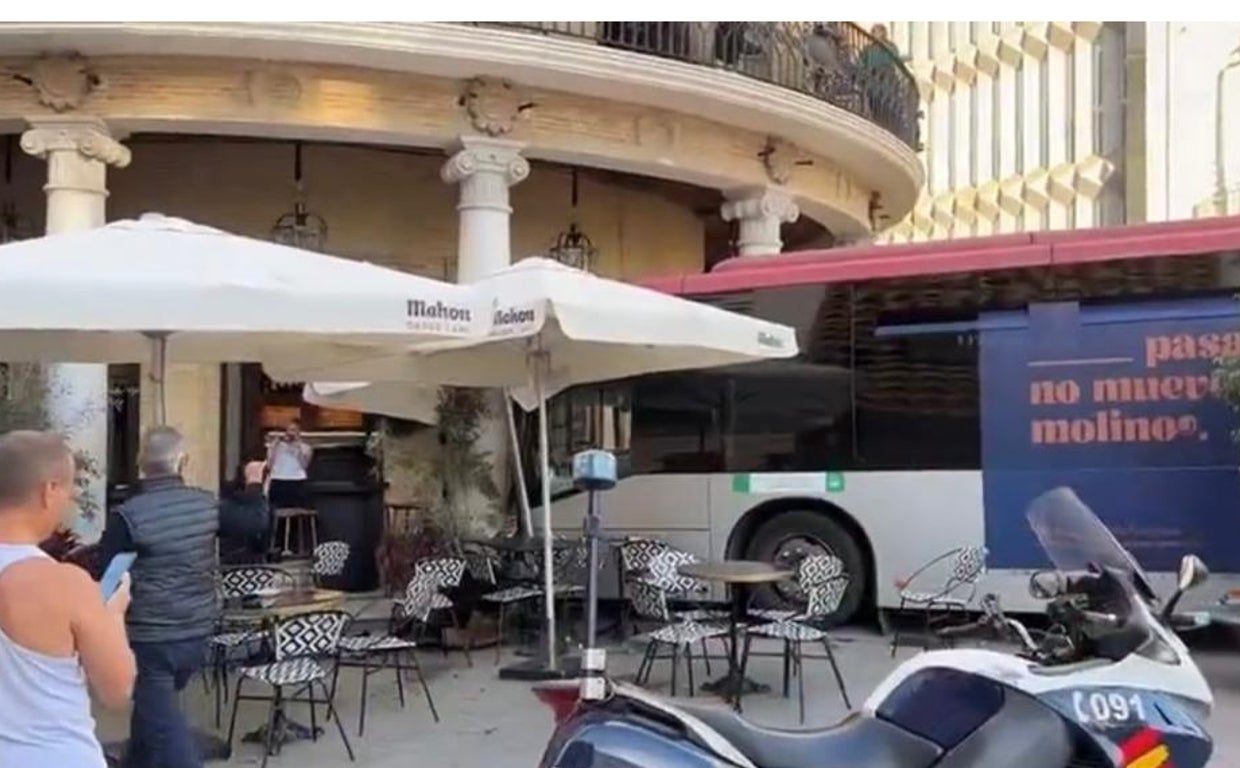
x,y
788,537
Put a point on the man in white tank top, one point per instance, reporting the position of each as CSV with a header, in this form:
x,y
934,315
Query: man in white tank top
x,y
56,633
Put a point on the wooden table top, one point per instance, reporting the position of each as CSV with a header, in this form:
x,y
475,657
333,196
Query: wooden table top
x,y
736,572
283,605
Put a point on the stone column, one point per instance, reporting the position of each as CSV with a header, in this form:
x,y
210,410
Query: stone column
x,y
78,151
761,212
485,168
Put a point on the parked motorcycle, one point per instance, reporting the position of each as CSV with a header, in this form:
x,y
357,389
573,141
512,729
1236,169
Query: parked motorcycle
x,y
1110,685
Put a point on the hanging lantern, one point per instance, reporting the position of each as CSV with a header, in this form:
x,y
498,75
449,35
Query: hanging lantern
x,y
573,247
300,227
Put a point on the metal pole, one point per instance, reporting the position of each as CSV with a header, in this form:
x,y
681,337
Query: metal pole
x,y
159,366
592,532
539,361
527,518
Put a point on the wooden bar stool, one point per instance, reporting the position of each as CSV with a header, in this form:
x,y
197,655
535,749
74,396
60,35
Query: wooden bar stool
x,y
307,522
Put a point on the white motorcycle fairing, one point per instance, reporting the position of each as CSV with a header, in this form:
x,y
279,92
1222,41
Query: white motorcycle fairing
x,y
1182,680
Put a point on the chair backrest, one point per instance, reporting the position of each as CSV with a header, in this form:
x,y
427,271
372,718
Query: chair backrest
x,y
816,570
480,561
649,600
330,558
443,571
569,558
824,599
636,553
968,566
310,634
665,572
418,601
247,580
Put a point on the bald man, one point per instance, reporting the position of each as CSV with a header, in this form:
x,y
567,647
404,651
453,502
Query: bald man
x,y
57,634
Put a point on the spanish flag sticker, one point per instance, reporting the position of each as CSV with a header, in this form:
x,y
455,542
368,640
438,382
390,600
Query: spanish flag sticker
x,y
1145,749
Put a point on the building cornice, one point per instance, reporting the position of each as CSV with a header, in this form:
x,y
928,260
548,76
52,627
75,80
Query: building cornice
x,y
572,66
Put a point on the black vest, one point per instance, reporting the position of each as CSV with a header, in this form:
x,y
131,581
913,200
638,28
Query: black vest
x,y
173,528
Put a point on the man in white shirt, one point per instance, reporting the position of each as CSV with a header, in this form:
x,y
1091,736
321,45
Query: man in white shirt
x,y
288,457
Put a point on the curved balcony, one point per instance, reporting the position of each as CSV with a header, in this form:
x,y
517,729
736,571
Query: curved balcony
x,y
834,61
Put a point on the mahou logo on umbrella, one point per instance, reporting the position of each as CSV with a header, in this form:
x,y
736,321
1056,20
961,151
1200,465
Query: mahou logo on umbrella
x,y
422,315
516,320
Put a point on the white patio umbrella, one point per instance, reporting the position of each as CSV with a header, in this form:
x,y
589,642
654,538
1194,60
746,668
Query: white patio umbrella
x,y
400,402
168,290
556,327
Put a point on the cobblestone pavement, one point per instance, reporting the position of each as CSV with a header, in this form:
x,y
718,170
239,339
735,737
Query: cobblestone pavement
x,y
489,723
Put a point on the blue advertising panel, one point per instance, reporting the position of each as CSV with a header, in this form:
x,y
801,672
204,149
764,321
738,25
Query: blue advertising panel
x,y
1118,403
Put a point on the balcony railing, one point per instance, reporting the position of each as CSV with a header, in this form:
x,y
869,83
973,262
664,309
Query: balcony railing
x,y
835,61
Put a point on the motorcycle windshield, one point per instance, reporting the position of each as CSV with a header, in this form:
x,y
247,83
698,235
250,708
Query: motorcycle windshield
x,y
1076,540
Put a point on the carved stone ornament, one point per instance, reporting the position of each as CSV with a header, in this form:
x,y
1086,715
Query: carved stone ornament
x,y
493,105
656,132
63,82
779,158
272,88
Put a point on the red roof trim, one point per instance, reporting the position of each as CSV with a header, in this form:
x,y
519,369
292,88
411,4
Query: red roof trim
x,y
870,262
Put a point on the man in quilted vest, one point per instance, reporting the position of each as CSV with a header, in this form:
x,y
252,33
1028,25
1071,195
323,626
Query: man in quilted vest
x,y
173,528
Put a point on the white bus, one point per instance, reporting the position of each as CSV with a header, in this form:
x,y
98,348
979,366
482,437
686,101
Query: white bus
x,y
922,414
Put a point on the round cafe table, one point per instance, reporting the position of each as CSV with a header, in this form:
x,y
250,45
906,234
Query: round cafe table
x,y
284,605
740,576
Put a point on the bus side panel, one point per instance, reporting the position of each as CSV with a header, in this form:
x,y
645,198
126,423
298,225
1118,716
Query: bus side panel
x,y
1117,403
909,517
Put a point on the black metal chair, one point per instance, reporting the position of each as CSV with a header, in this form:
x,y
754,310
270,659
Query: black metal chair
x,y
481,562
300,644
678,634
966,566
443,573
375,653
233,642
823,595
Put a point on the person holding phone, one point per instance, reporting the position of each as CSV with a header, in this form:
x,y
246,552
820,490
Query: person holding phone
x,y
173,528
288,460
59,639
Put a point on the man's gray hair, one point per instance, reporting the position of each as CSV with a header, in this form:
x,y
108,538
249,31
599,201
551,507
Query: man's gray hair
x,y
162,452
27,460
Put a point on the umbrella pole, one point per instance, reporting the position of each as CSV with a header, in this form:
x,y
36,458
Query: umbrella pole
x,y
527,518
159,366
539,361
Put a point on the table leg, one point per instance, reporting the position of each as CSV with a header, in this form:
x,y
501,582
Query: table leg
x,y
734,684
287,731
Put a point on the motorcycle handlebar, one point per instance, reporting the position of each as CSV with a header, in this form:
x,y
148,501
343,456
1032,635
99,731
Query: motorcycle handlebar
x,y
1108,620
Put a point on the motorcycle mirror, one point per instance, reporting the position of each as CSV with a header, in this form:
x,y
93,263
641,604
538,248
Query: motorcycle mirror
x,y
1046,585
1192,572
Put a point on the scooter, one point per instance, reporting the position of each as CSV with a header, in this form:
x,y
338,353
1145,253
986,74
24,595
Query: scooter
x,y
1109,685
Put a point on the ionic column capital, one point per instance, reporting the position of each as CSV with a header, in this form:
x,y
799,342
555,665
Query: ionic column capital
x,y
760,203
476,155
760,212
87,136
